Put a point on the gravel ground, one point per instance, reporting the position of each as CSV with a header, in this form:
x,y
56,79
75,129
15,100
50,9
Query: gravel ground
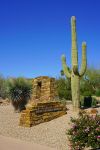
x,y
52,133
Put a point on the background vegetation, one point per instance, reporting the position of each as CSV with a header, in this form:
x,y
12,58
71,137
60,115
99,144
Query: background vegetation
x,y
63,88
89,86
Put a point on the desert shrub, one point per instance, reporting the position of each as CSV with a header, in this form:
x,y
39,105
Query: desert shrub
x,y
3,87
93,77
90,83
19,90
94,102
85,132
97,93
63,88
86,88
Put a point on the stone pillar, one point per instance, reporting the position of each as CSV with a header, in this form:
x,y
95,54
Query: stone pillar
x,y
43,89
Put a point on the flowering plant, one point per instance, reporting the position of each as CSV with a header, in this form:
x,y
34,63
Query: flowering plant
x,y
85,132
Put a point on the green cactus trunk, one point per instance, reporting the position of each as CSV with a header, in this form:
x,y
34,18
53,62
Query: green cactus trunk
x,y
75,87
74,74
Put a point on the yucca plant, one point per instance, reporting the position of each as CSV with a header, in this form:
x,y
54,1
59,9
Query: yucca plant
x,y
19,90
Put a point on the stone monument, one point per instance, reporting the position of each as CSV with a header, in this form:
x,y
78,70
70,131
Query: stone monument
x,y
42,107
43,89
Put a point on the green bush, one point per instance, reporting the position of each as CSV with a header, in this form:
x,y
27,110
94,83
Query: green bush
x,y
85,132
90,83
94,102
63,88
19,90
97,93
3,87
86,88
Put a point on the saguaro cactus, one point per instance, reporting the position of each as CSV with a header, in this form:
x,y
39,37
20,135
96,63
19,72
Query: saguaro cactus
x,y
74,74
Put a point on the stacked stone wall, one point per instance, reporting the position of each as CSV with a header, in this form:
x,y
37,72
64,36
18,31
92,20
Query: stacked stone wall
x,y
41,112
43,89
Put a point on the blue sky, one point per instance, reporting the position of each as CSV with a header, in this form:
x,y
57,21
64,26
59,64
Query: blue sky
x,y
35,33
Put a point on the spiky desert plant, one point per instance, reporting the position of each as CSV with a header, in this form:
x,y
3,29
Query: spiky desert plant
x,y
19,90
74,74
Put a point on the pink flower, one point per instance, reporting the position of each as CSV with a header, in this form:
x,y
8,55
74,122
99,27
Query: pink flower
x,y
77,147
87,129
93,117
74,126
97,129
98,137
74,133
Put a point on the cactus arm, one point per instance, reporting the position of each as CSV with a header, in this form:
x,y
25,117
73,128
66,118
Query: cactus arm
x,y
84,60
75,70
74,42
65,67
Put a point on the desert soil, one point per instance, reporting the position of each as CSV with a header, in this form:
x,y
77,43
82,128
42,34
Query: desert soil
x,y
51,134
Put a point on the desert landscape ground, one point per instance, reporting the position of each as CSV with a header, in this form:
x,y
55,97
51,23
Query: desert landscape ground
x,y
51,134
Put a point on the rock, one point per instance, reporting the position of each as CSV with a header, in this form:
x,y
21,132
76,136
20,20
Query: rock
x,y
4,102
41,112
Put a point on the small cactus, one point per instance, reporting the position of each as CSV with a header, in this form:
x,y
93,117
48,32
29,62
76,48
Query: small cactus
x,y
74,74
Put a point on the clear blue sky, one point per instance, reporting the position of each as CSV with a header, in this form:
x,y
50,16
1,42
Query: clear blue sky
x,y
35,33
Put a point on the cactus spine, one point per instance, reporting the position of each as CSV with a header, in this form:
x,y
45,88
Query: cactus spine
x,y
74,74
